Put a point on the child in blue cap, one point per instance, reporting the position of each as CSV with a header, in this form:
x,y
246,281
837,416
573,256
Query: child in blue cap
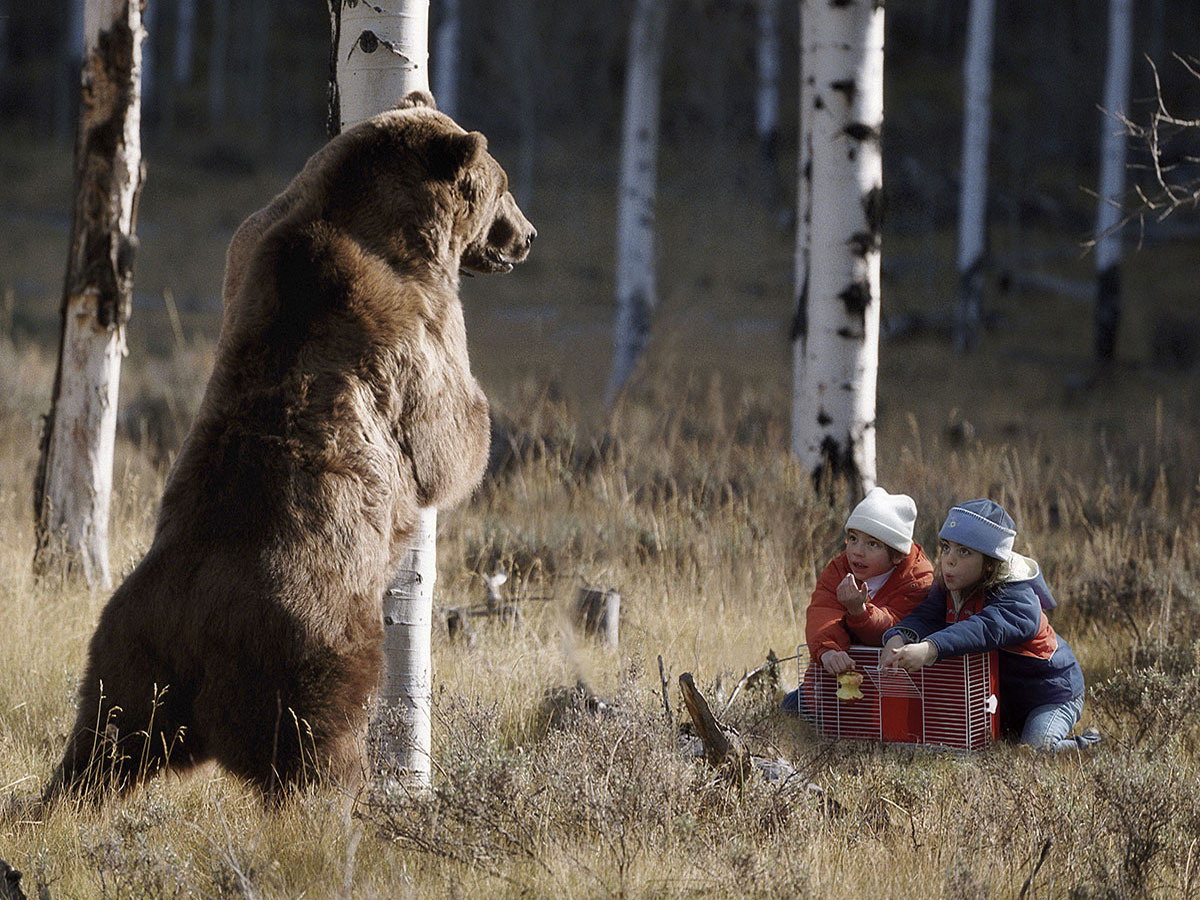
x,y
986,597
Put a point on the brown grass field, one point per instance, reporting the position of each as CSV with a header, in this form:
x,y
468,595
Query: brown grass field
x,y
686,501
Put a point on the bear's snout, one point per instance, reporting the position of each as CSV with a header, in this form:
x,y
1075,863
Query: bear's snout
x,y
505,243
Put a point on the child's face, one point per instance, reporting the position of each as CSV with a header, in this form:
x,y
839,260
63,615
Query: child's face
x,y
868,556
961,567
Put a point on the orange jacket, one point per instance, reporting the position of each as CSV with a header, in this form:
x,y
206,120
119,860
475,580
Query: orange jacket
x,y
828,627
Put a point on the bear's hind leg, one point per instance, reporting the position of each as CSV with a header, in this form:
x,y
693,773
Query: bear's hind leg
x,y
112,748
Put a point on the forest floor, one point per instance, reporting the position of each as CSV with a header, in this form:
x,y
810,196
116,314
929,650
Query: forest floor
x,y
686,501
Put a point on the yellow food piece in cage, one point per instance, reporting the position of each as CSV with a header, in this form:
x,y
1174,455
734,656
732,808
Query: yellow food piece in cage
x,y
848,686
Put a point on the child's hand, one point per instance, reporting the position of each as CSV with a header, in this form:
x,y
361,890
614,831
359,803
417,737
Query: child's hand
x,y
909,656
852,595
836,662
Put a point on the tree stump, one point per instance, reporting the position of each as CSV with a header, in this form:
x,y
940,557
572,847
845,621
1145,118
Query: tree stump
x,y
598,613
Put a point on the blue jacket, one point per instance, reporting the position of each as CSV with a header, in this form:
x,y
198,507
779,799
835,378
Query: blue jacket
x,y
1037,666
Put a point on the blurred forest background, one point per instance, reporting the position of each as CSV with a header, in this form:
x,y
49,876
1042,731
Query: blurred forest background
x,y
235,100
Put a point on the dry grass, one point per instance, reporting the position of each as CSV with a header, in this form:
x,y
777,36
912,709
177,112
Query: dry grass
x,y
690,508
686,502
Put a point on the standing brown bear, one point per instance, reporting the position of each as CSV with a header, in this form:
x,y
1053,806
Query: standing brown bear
x,y
341,402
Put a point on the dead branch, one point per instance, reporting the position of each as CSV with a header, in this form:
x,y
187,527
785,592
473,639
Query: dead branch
x,y
666,693
723,747
769,669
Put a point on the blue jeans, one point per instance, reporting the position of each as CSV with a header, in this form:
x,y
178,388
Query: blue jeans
x,y
1046,727
793,704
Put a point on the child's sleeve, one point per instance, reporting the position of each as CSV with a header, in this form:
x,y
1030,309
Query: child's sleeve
x,y
824,625
1012,617
892,605
928,617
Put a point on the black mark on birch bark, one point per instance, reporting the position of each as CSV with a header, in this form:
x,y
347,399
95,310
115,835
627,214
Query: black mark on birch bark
x,y
837,462
847,88
860,131
856,298
369,42
861,243
873,207
799,329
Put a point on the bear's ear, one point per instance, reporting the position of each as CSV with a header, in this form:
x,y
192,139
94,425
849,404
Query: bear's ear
x,y
450,153
417,98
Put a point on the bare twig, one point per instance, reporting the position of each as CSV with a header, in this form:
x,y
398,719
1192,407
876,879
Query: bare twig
x,y
1166,194
770,667
666,692
1041,859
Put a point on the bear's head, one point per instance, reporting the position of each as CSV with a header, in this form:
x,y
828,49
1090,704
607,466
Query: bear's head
x,y
415,187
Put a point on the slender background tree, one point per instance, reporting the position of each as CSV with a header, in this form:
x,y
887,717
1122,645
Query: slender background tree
x,y
800,266
767,66
1113,160
973,186
636,288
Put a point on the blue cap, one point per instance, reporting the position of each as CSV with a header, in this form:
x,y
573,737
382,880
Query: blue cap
x,y
981,525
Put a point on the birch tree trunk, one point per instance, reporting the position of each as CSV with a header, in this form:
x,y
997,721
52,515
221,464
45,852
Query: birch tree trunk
x,y
447,57
1112,181
766,107
834,429
803,236
635,275
381,55
74,479
972,198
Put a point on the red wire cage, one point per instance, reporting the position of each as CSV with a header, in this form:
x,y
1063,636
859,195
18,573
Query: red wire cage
x,y
950,704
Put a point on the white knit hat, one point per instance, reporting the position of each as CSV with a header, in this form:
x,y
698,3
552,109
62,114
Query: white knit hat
x,y
888,517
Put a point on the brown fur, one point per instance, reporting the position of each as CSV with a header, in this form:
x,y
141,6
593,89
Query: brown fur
x,y
340,403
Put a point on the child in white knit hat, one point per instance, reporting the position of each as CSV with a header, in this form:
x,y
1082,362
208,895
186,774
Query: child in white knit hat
x,y
880,577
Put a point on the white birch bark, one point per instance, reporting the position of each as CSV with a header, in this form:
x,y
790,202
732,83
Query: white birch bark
x,y
972,202
447,57
803,224
835,427
407,695
1112,180
766,106
382,55
74,483
635,269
